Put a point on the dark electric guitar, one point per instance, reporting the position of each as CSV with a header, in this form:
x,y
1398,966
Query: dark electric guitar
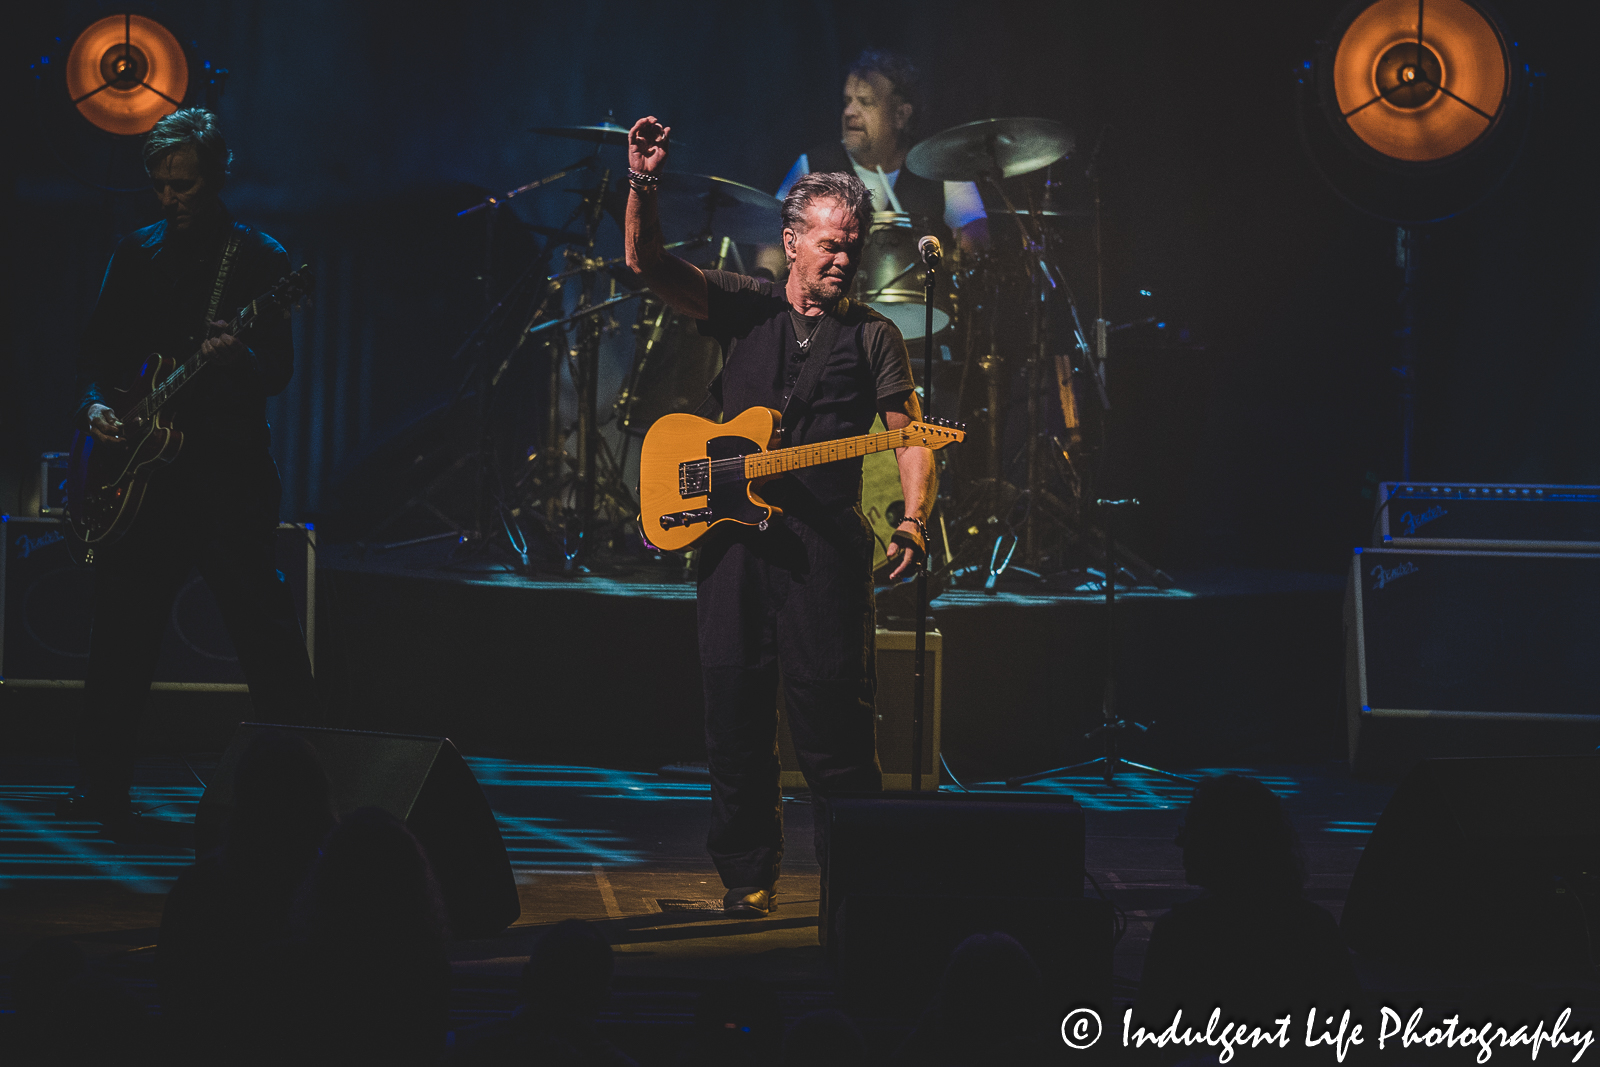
x,y
695,473
106,483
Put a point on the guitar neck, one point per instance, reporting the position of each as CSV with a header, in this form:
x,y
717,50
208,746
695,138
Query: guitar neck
x,y
165,389
782,460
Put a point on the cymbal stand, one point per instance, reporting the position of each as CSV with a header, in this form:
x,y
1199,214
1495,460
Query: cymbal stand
x,y
1044,276
577,517
1112,725
487,497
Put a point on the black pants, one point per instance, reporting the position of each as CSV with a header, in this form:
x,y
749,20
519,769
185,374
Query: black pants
x,y
224,523
797,596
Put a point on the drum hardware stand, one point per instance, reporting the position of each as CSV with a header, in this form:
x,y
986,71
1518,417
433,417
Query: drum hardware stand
x,y
595,474
1113,723
488,494
622,409
485,474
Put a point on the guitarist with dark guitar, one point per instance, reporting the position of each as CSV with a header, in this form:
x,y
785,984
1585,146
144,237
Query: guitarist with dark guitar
x,y
212,500
793,589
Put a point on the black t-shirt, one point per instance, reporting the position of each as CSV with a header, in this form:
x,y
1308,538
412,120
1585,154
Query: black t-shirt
x,y
760,337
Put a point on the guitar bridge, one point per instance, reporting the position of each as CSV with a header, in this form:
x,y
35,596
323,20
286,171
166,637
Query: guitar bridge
x,y
686,518
694,479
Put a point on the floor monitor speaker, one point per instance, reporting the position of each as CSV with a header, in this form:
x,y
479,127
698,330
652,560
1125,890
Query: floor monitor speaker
x,y
424,782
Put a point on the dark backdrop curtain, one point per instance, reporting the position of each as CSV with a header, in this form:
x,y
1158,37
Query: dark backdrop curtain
x,y
361,127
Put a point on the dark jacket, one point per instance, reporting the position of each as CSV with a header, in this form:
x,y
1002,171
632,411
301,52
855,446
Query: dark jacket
x,y
154,300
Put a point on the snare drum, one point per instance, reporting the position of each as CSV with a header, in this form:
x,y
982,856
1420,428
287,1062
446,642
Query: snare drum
x,y
890,276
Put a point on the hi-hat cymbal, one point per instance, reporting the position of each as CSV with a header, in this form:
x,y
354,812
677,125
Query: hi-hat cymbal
x,y
976,150
691,205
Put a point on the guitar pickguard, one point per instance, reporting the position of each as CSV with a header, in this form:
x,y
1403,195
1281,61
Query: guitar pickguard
x,y
730,498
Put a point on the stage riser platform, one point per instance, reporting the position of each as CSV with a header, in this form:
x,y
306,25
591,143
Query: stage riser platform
x,y
607,673
574,675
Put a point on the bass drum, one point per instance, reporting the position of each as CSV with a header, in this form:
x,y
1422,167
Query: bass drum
x,y
882,501
890,276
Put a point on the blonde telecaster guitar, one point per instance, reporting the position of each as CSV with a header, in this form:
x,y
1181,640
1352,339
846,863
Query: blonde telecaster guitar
x,y
695,473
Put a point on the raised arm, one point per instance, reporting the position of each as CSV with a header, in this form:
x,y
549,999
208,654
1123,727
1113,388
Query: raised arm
x,y
674,280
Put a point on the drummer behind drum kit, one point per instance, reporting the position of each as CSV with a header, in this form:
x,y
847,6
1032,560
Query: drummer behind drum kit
x,y
575,489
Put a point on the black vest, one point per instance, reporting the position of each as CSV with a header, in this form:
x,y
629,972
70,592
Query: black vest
x,y
917,195
761,368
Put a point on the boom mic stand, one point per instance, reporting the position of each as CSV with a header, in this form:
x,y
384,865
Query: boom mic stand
x,y
930,281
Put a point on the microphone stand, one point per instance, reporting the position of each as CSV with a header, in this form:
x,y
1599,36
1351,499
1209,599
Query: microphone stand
x,y
930,281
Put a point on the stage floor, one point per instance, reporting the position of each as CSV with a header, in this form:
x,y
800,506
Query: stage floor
x,y
624,850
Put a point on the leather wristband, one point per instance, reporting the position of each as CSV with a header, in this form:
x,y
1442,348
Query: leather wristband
x,y
900,537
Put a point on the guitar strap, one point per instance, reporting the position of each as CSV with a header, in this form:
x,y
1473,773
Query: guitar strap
x,y
817,353
805,386
222,275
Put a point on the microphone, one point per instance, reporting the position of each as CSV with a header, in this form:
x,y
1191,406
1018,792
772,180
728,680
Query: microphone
x,y
928,248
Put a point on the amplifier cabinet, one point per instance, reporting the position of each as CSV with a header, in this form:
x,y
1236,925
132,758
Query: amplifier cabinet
x,y
1470,639
45,598
1515,518
53,484
896,656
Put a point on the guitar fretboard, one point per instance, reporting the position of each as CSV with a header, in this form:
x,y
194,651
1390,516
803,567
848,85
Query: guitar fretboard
x,y
163,390
767,464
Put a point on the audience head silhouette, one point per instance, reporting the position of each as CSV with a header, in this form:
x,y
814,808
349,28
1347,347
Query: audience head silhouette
x,y
989,1008
374,886
569,971
825,1038
735,1023
1236,838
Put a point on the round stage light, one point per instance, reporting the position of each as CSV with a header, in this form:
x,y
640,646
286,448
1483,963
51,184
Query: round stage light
x,y
1419,81
126,72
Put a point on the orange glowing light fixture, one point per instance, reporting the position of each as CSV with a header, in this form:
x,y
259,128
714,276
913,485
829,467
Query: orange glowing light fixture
x,y
1421,80
126,72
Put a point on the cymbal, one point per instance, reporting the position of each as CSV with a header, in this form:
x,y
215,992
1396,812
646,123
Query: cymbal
x,y
975,150
604,133
693,204
1058,213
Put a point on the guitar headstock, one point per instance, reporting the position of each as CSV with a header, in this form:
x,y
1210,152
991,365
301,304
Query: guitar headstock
x,y
935,433
289,291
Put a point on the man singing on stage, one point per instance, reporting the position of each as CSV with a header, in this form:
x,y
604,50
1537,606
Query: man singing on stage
x,y
168,289
797,595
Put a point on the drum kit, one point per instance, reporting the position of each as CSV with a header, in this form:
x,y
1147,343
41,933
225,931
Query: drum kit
x,y
1004,314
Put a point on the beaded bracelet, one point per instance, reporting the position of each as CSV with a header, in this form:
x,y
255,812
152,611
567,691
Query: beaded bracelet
x,y
641,181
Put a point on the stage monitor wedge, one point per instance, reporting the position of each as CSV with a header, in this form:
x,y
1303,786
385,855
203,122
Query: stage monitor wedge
x,y
422,781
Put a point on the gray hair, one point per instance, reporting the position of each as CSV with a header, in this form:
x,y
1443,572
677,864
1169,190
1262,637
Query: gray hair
x,y
196,128
850,192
